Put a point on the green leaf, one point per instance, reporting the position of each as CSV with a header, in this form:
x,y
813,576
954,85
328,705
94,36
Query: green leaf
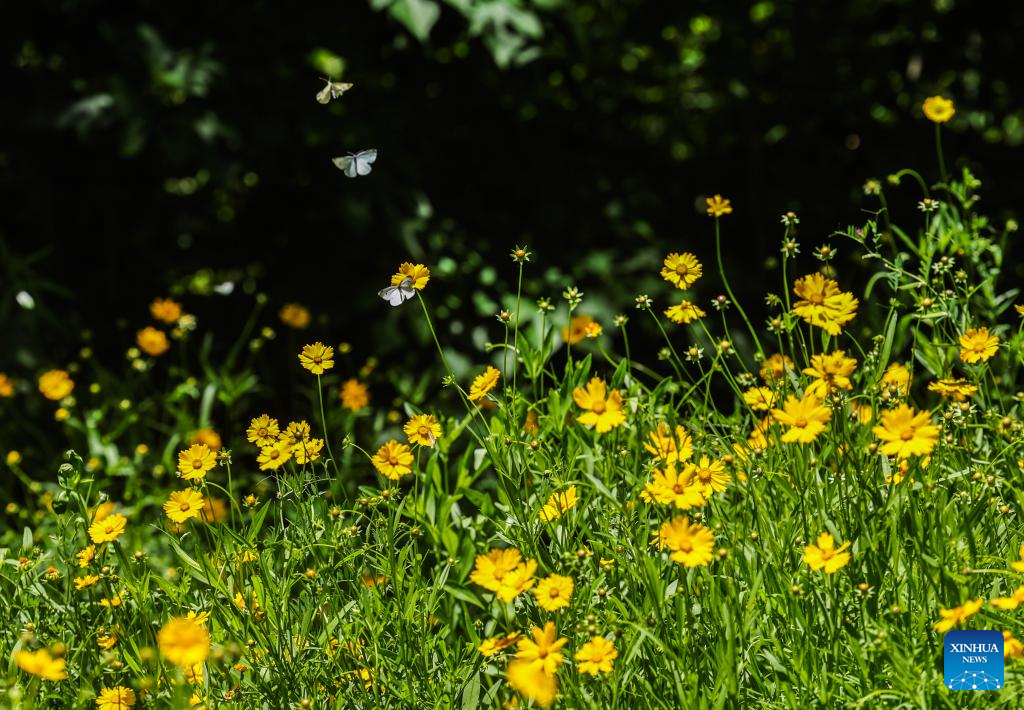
x,y
418,16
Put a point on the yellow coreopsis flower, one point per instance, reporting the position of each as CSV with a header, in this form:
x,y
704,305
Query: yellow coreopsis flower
x,y
558,504
317,357
165,310
423,429
1011,602
577,329
602,414
760,399
503,572
184,642
938,109
152,341
691,545
491,646
681,270
116,698
596,656
957,389
806,418
393,460
978,345
554,592
274,456
684,313
263,431
41,663
831,372
1012,647
294,316
669,487
825,555
906,432
56,384
86,581
419,274
669,445
108,529
957,615
182,505
295,433
718,206
709,476
483,384
195,461
209,437
543,650
774,367
822,304
86,555
897,377
354,395
307,451
532,682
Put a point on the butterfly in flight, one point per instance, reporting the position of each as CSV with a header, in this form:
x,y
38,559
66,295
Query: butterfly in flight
x,y
397,295
333,90
354,164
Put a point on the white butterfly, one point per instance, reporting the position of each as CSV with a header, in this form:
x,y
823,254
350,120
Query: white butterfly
x,y
397,295
333,90
356,163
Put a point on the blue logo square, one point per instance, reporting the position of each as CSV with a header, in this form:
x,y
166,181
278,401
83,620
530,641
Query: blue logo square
x,y
973,660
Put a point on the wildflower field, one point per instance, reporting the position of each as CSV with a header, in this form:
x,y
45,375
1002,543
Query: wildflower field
x,y
785,513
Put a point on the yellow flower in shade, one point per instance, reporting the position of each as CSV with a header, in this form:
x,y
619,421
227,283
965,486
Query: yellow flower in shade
x,y
208,437
956,389
274,456
938,109
41,663
152,341
1011,602
503,572
825,555
393,460
85,581
978,345
86,555
774,367
760,399
183,505
114,601
822,304
307,451
602,414
684,313
554,592
681,270
165,310
183,642
532,682
498,644
596,656
906,432
805,417
423,429
294,316
6,385
295,433
668,445
483,384
419,274
200,617
56,384
531,425
1019,308
691,545
543,650
558,504
262,431
594,330
669,487
103,510
195,461
897,377
1012,647
709,476
354,395
718,206
108,529
957,615
106,641
577,329
830,372
116,698
317,358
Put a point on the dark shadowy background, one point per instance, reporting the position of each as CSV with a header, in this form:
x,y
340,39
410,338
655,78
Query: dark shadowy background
x,y
143,143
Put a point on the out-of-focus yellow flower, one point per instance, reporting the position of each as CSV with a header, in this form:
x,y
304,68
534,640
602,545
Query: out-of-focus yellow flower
x,y
577,329
6,385
938,109
208,437
491,646
354,395
56,384
718,206
41,663
957,615
165,310
184,642
596,656
530,681
152,341
294,316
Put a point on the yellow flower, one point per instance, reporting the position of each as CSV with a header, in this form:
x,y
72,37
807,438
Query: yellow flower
x,y
419,274
596,656
805,417
718,206
116,698
183,505
6,385
294,316
86,555
195,461
938,109
497,644
354,395
295,433
532,682
1011,602
669,446
183,642
825,555
956,389
106,641
684,313
152,341
317,358
1019,308
775,367
262,431
1019,564
423,429
554,592
13,458
56,384
393,460
602,414
558,504
165,310
957,615
977,345
209,437
897,377
1012,647
691,545
822,304
760,399
108,529
503,572
483,384
906,432
114,601
194,674
669,487
543,651
862,411
85,581
577,329
274,456
41,663
594,330
709,476
681,270
831,372
307,450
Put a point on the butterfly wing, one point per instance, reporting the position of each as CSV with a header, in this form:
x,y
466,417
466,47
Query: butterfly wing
x,y
364,160
324,95
337,88
406,289
392,294
347,164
